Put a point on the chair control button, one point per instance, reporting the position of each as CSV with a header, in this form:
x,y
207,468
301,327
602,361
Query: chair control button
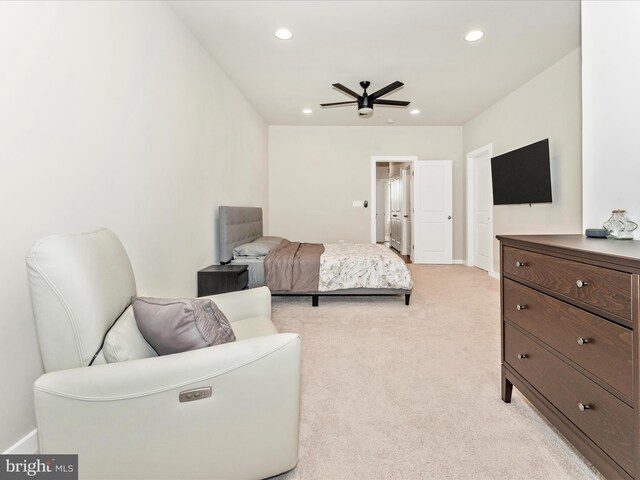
x,y
195,394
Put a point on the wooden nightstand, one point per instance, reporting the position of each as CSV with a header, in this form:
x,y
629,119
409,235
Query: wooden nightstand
x,y
222,279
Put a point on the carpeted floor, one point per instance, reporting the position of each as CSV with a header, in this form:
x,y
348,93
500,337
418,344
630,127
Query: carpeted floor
x,y
395,392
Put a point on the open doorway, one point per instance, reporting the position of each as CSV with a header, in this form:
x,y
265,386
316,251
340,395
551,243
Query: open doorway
x,y
392,204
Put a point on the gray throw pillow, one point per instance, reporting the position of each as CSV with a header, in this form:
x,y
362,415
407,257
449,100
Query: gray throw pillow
x,y
178,325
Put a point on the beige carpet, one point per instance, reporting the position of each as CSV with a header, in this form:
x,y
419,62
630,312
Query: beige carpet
x,y
395,392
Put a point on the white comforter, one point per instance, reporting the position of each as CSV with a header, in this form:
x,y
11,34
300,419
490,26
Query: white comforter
x,y
361,265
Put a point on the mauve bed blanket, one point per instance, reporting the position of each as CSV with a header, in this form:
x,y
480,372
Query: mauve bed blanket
x,y
293,267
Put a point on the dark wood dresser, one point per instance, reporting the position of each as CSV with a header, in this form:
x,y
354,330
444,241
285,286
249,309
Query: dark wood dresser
x,y
569,343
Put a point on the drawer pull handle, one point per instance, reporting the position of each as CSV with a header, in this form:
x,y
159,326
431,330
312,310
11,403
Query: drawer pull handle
x,y
522,356
521,307
583,341
521,264
581,283
583,406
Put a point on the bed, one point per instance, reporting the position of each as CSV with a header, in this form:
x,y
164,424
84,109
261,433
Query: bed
x,y
303,269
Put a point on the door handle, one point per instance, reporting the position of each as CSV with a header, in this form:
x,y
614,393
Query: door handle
x,y
449,217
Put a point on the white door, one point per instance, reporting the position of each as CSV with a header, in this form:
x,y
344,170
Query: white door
x,y
396,213
405,175
432,212
381,193
483,208
387,212
410,213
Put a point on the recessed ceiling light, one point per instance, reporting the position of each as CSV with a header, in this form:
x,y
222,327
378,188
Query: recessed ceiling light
x,y
474,36
390,121
415,111
307,111
283,34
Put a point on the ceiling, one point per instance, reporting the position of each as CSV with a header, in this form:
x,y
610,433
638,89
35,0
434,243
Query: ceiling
x,y
419,43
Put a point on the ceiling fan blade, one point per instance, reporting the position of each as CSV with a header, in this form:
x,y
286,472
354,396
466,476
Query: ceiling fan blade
x,y
346,90
337,103
388,89
397,103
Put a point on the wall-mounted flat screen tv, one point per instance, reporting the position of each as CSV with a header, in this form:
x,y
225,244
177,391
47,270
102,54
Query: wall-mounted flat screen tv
x,y
522,176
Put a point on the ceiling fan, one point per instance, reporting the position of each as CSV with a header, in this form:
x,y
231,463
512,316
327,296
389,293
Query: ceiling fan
x,y
366,101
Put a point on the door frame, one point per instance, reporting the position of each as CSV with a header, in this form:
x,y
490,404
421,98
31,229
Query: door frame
x,y
375,159
472,158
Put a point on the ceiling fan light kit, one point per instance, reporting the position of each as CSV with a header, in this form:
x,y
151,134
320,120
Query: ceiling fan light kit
x,y
366,101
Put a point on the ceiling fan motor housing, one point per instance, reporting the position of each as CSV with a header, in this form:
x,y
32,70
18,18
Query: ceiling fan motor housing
x,y
365,106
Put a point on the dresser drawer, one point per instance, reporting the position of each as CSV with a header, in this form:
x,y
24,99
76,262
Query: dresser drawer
x,y
599,346
606,420
603,288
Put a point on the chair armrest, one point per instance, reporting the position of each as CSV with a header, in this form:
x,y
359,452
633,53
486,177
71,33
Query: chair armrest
x,y
125,419
254,302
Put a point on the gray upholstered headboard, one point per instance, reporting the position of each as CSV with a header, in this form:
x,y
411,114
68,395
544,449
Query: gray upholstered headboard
x,y
238,225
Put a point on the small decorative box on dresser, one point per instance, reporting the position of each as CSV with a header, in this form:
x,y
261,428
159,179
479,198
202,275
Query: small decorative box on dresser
x,y
569,340
222,279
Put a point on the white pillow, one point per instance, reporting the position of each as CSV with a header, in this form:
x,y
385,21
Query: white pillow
x,y
258,248
125,342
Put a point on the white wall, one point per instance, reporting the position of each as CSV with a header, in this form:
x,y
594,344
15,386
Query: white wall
x,y
611,107
548,106
111,114
315,173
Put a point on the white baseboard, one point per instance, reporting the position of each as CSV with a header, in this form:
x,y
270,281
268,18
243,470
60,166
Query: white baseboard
x,y
492,273
458,261
25,446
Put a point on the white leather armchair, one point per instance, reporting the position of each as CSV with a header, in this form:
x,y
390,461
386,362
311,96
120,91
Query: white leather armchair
x,y
125,419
